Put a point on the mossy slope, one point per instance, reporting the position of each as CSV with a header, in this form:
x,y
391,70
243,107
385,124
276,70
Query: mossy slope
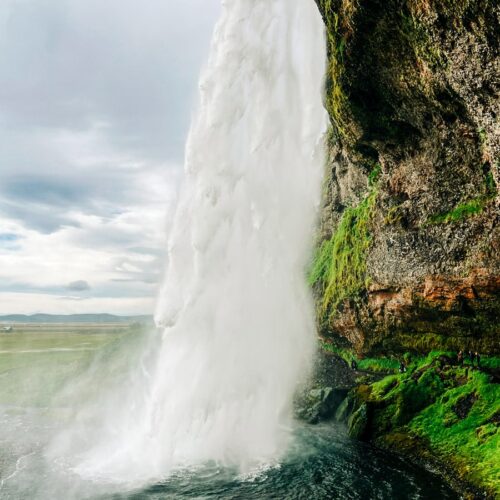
x,y
440,410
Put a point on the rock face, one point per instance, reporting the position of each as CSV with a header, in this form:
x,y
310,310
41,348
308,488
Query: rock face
x,y
409,243
325,391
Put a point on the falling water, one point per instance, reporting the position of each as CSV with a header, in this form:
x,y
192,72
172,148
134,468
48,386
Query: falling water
x,y
236,310
236,316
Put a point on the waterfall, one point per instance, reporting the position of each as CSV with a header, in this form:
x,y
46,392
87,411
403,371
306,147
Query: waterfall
x,y
236,315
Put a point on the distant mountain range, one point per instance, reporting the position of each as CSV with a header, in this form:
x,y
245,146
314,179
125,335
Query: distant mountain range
x,y
73,318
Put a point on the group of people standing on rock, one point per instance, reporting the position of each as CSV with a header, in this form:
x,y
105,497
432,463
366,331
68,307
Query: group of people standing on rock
x,y
472,357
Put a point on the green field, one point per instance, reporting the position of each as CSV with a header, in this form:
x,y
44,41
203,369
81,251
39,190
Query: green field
x,y
37,360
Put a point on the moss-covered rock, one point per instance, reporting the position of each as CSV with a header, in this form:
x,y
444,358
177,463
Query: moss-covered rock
x,y
408,258
358,422
439,412
409,248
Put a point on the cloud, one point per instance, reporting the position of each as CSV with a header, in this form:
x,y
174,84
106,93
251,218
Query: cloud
x,y
78,286
95,101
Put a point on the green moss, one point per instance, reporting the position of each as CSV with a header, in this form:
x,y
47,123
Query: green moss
x,y
483,137
345,354
454,409
338,15
383,387
414,395
377,365
470,442
424,342
394,215
490,362
339,268
460,212
374,175
336,98
382,365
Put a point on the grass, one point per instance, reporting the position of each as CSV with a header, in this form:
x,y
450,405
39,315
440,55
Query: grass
x,y
339,268
36,361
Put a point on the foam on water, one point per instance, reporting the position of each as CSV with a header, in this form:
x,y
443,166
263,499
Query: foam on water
x,y
235,311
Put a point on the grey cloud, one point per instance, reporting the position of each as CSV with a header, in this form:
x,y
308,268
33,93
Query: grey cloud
x,y
78,286
43,202
125,288
94,98
34,216
130,64
7,286
69,65
44,190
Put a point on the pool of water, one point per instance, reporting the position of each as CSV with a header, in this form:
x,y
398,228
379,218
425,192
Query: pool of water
x,y
321,463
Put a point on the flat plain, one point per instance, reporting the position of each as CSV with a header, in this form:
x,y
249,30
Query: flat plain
x,y
38,359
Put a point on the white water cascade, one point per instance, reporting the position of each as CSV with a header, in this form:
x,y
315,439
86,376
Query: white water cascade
x,y
235,310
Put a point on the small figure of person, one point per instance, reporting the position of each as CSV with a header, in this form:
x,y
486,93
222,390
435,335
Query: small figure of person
x,y
402,367
477,357
354,365
460,358
471,357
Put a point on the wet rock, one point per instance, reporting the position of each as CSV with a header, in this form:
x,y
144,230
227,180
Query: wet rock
x,y
358,422
332,371
318,404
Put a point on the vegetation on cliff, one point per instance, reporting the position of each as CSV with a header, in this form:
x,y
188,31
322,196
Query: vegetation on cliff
x,y
439,412
408,259
450,410
411,87
339,268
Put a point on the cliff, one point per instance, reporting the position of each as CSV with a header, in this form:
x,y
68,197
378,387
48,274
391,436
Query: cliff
x,y
408,251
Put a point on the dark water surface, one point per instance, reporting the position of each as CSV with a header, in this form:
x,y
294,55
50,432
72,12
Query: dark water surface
x,y
323,464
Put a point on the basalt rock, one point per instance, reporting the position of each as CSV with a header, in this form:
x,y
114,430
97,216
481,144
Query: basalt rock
x,y
412,90
328,387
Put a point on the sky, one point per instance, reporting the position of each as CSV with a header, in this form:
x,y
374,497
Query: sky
x,y
96,98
